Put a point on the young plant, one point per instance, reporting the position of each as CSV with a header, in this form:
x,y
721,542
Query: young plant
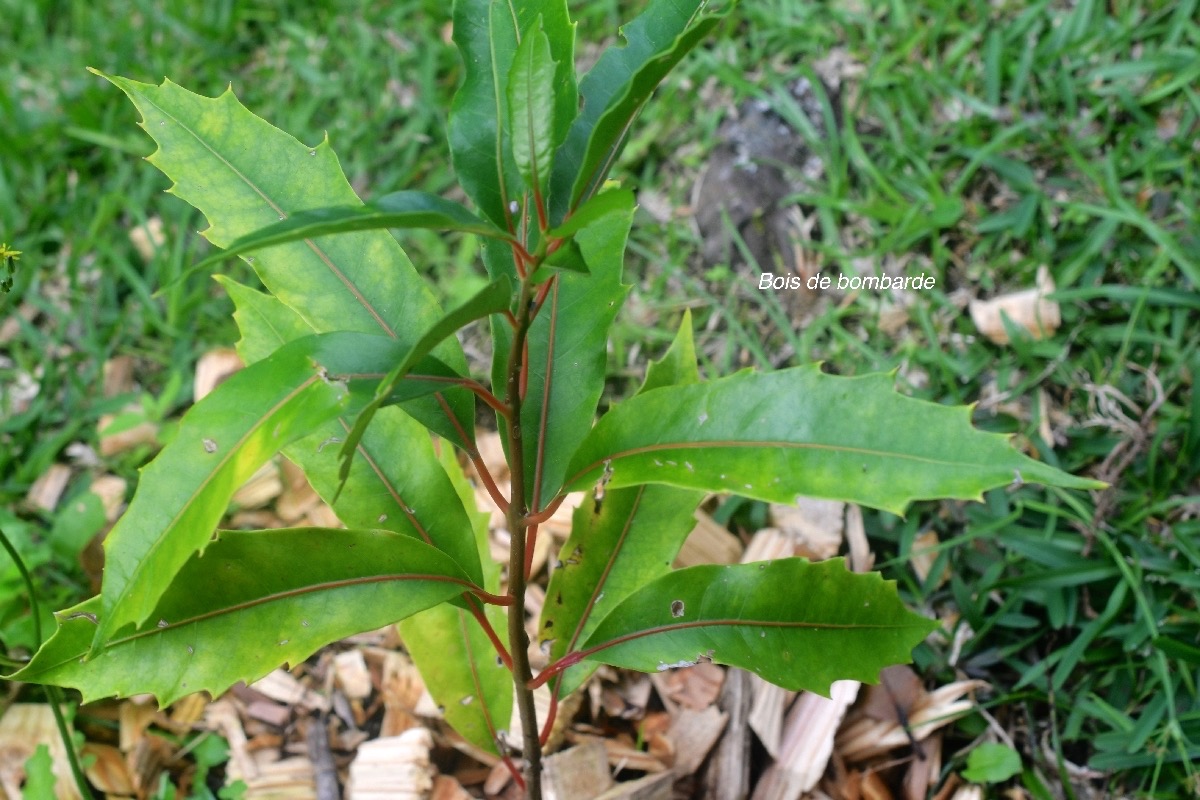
x,y
353,365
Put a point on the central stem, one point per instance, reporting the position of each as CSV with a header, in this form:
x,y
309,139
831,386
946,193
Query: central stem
x,y
518,639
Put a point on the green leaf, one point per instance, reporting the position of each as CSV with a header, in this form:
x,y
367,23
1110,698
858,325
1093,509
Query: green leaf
x,y
487,35
220,443
397,210
992,763
677,367
794,623
478,119
39,775
244,174
599,206
568,355
267,324
454,655
491,299
531,108
797,432
618,544
228,617
615,90
411,495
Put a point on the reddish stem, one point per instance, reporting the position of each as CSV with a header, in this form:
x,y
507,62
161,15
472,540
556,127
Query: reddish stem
x,y
550,716
547,512
489,483
563,664
530,541
482,619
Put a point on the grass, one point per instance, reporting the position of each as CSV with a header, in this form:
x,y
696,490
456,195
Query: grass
x,y
978,142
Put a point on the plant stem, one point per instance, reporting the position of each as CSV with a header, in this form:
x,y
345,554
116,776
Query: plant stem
x,y
518,639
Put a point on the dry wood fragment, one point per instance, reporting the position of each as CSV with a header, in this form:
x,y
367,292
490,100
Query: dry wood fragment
x,y
924,555
112,444
260,489
401,688
133,719
271,713
863,737
923,773
48,489
766,714
969,792
621,753
147,238
325,777
581,771
768,544
352,674
212,369
694,687
222,717
728,774
118,376
147,761
694,733
287,779
298,497
649,787
1029,309
396,768
861,557
709,543
187,711
107,771
281,686
111,491
807,743
23,727
448,788
815,525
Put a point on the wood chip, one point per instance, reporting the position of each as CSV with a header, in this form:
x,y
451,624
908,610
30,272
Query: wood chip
x,y
924,555
121,441
212,369
107,771
118,376
287,779
923,773
808,740
649,787
48,489
448,788
581,771
694,687
283,687
401,688
271,713
260,489
147,761
709,543
147,238
395,768
815,525
728,773
694,733
111,491
298,497
863,737
133,719
352,674
766,714
1029,309
23,727
861,557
